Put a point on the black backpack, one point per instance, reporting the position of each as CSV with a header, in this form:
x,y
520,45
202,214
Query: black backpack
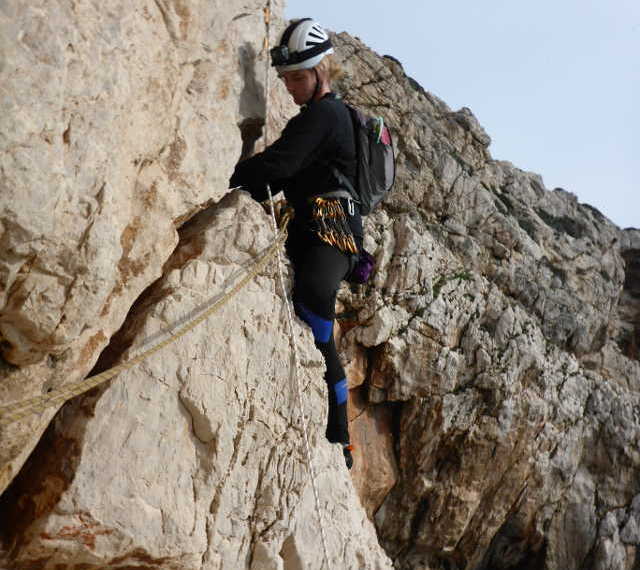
x,y
376,169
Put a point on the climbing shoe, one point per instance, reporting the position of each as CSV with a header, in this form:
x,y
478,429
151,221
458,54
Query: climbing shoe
x,y
348,458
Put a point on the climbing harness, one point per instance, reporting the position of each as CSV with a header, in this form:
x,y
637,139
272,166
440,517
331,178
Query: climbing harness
x,y
287,303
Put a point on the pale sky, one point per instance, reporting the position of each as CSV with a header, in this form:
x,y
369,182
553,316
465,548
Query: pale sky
x,y
555,83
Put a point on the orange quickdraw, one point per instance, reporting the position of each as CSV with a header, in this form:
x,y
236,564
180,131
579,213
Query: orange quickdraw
x,y
331,224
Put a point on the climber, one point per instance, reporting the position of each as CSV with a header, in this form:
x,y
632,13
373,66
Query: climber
x,y
326,232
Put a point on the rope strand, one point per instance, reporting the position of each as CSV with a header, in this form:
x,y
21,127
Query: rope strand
x,y
296,368
19,410
294,344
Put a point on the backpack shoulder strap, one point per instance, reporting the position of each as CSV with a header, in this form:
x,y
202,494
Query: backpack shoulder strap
x,y
345,183
354,115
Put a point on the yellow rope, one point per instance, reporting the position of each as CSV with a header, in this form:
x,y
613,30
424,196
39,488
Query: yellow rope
x,y
20,410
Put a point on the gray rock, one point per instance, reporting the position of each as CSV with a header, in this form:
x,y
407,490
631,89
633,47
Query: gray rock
x,y
516,403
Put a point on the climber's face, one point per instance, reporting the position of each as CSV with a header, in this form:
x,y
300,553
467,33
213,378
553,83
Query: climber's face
x,y
300,84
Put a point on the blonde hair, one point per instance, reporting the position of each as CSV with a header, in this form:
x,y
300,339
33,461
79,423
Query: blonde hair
x,y
329,69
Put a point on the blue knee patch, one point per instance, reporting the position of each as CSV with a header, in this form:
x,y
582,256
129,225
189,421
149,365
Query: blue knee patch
x,y
341,390
322,328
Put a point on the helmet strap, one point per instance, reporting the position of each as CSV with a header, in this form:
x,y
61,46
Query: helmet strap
x,y
317,88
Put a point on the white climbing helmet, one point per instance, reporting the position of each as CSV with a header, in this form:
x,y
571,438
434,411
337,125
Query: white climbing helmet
x,y
303,45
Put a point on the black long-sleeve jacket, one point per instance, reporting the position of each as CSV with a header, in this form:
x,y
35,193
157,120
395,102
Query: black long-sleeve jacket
x,y
300,162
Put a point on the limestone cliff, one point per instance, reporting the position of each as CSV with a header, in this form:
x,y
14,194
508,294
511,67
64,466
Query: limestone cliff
x,y
493,359
496,350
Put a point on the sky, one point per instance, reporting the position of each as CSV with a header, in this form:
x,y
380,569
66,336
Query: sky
x,y
555,83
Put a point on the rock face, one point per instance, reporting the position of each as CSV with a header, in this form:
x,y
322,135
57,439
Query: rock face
x,y
629,307
491,335
493,359
118,124
195,459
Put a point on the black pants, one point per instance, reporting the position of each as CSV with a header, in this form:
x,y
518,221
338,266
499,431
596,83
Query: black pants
x,y
318,271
